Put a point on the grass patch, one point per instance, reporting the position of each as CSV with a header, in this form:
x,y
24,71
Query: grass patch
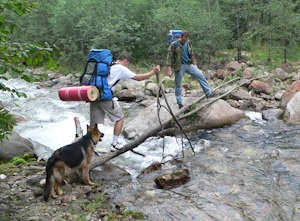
x,y
96,204
132,214
100,204
261,54
10,167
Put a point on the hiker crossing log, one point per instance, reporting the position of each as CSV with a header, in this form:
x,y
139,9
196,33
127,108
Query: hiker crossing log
x,y
156,127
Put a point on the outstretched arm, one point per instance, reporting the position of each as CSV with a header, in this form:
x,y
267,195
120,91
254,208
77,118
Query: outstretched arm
x,y
140,77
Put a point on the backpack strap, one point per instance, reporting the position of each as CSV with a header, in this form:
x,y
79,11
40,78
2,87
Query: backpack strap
x,y
176,44
112,64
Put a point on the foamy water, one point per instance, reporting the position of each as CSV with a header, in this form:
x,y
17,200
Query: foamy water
x,y
50,121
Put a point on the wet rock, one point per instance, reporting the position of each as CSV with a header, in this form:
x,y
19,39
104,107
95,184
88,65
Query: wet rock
x,y
272,114
109,172
147,119
153,167
172,179
219,114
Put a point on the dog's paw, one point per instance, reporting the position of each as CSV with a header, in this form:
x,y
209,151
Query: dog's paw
x,y
59,192
90,183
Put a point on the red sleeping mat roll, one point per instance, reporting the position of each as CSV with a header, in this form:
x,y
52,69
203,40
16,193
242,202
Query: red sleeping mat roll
x,y
81,93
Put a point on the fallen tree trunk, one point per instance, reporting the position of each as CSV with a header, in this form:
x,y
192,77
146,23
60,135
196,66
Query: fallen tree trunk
x,y
152,132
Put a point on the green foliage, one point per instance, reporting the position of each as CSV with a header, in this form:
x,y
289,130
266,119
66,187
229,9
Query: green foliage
x,y
239,73
96,204
18,161
192,118
141,27
169,83
22,160
16,58
12,166
6,124
132,214
261,54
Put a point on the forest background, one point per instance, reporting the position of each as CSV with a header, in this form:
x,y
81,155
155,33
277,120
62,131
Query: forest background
x,y
59,33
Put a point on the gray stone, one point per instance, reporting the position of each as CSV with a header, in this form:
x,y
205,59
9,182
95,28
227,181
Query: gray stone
x,y
292,112
16,146
272,113
219,114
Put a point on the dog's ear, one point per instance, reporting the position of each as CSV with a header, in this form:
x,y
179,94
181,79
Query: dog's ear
x,y
96,126
87,127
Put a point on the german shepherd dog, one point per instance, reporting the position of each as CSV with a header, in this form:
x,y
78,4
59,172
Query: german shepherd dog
x,y
77,156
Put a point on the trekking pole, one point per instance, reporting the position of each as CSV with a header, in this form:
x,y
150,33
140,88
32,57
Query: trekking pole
x,y
168,108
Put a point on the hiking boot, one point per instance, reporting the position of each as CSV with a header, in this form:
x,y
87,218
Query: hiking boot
x,y
211,95
180,106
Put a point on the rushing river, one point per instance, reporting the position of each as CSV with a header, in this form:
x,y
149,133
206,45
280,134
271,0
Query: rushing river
x,y
246,171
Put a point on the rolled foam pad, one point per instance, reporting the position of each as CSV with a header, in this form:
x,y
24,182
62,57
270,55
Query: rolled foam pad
x,y
81,93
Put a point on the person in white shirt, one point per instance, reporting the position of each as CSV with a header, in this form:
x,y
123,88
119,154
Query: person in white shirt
x,y
98,109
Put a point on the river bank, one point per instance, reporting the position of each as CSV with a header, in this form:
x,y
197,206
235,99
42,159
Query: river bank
x,y
247,171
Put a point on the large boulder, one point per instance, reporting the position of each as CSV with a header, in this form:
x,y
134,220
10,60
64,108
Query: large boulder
x,y
150,118
219,114
289,93
234,65
292,112
261,87
16,146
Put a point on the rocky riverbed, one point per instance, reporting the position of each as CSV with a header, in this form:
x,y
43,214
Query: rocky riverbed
x,y
246,172
21,195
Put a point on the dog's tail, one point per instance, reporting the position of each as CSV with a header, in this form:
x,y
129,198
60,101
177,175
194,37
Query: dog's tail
x,y
50,180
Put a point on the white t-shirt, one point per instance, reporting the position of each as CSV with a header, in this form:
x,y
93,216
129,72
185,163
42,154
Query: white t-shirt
x,y
119,72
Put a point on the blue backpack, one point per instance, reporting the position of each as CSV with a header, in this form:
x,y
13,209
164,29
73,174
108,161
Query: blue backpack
x,y
96,71
174,35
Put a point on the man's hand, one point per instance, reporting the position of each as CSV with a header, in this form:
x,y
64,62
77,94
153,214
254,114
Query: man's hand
x,y
156,69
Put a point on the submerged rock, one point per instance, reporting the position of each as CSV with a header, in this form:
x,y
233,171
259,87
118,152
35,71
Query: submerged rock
x,y
172,179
